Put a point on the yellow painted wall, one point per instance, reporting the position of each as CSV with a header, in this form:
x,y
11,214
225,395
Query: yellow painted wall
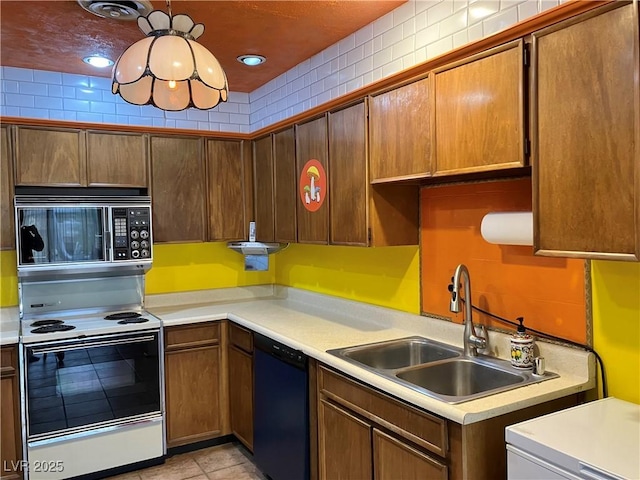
x,y
200,266
388,276
8,278
616,325
176,268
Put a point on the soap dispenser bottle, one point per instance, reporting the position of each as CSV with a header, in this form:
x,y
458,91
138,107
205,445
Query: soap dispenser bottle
x,y
522,347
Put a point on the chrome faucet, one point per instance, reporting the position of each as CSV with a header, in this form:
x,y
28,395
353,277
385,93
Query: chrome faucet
x,y
472,341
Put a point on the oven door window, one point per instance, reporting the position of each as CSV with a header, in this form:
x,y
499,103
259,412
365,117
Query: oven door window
x,y
61,235
71,385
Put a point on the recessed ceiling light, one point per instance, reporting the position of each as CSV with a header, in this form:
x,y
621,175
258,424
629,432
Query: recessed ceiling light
x,y
98,61
251,60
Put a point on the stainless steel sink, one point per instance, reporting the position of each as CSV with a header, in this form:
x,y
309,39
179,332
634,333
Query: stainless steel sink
x,y
438,370
462,377
395,354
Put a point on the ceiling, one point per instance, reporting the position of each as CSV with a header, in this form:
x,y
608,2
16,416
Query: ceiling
x,y
56,35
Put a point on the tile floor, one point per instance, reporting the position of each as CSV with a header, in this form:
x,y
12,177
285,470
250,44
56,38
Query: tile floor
x,y
222,462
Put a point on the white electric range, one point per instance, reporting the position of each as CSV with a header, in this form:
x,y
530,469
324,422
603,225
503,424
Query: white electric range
x,y
92,376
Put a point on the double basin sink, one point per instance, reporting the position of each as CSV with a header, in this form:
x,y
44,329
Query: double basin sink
x,y
438,370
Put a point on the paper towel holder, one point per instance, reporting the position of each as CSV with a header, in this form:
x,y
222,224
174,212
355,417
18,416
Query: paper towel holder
x,y
508,228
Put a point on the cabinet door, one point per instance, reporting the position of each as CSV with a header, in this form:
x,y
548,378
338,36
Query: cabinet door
x,y
396,460
178,186
117,159
586,136
311,176
400,133
226,190
11,451
241,395
192,394
7,232
478,112
263,192
344,444
348,176
285,193
50,157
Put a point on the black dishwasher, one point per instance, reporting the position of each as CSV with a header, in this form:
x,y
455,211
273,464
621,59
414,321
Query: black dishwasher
x,y
281,410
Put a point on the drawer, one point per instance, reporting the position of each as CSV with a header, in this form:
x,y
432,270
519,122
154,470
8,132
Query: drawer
x,y
241,337
421,428
8,360
193,335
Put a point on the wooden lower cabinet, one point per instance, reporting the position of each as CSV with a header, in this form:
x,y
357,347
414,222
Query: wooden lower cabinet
x,y
241,384
394,459
195,383
10,439
344,444
366,434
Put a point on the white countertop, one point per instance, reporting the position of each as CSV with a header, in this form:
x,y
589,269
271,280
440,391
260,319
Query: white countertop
x,y
315,323
604,434
9,326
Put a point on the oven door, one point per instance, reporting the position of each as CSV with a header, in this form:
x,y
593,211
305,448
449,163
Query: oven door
x,y
87,402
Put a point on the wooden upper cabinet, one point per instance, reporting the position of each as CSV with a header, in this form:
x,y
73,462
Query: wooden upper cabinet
x,y
285,181
478,112
178,185
400,133
363,214
50,157
226,190
117,159
586,135
313,212
263,192
7,231
348,176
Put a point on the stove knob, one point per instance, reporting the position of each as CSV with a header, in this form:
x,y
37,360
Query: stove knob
x,y
135,254
144,234
135,234
144,244
144,253
135,245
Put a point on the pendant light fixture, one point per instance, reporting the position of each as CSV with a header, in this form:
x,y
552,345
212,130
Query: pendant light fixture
x,y
168,68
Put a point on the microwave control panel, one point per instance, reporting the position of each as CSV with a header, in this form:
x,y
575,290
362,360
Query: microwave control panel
x,y
131,233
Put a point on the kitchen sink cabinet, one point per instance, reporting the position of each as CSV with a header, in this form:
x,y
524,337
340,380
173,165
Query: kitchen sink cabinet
x,y
10,433
365,433
117,159
7,227
241,384
80,158
194,383
263,191
226,171
312,144
344,444
586,137
178,189
360,213
400,135
284,184
478,112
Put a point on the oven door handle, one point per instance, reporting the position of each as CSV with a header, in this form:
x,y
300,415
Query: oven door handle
x,y
93,344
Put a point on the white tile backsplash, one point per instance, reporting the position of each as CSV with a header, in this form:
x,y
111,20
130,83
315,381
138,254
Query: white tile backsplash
x,y
409,35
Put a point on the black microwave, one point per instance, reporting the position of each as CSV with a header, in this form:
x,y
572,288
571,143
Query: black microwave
x,y
70,234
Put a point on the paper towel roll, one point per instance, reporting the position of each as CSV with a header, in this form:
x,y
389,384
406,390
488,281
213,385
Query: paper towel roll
x,y
508,228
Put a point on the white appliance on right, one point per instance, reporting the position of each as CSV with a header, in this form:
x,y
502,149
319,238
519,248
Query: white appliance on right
x,y
599,440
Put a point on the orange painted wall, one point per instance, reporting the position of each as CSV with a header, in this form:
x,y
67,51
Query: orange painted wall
x,y
506,280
